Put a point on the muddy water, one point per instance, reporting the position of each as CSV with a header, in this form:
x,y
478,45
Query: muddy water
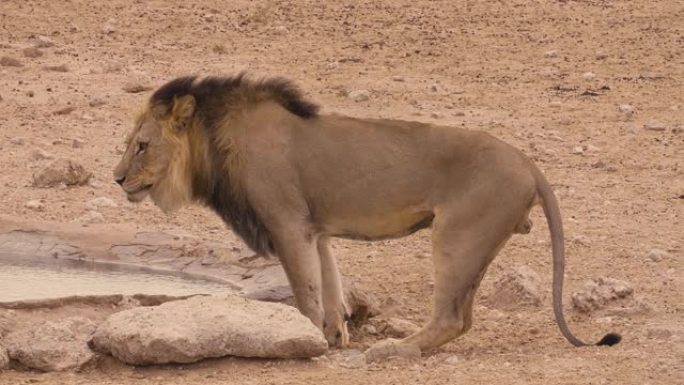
x,y
38,281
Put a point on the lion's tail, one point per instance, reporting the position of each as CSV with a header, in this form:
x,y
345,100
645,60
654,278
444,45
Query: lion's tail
x,y
553,218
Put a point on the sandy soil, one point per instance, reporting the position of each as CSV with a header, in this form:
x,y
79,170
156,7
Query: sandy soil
x,y
548,77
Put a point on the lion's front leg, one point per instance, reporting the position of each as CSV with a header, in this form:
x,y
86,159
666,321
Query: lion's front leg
x,y
337,311
299,256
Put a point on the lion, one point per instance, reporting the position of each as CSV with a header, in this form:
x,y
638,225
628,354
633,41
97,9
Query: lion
x,y
286,179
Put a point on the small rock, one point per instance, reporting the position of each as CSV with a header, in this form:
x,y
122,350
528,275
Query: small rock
x,y
357,360
588,75
519,286
77,143
659,334
398,328
551,54
135,87
435,115
281,30
626,109
654,126
592,148
555,104
369,329
657,255
598,292
398,78
18,141
91,217
4,358
578,150
32,52
7,61
52,345
57,68
208,326
453,360
43,42
65,110
434,87
100,202
96,102
601,55
359,95
40,154
35,204
108,28
391,348
62,171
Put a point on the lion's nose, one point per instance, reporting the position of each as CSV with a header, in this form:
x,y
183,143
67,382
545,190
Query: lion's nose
x,y
121,180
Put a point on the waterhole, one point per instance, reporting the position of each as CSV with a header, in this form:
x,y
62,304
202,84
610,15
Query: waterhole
x,y
30,281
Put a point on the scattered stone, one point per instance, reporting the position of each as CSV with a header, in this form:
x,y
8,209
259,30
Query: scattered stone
x,y
398,328
52,345
551,54
281,30
135,87
108,27
555,104
91,217
369,329
434,87
398,78
96,102
391,348
654,126
30,93
359,95
654,334
517,287
7,61
578,150
62,171
208,326
65,110
657,255
626,109
43,42
32,52
18,141
588,75
35,204
453,360
601,56
4,358
77,143
100,202
598,292
355,360
435,115
58,68
40,154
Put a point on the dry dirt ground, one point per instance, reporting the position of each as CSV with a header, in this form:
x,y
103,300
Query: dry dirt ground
x,y
592,90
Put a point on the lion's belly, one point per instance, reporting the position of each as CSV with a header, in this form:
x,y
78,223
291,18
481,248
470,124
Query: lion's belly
x,y
376,227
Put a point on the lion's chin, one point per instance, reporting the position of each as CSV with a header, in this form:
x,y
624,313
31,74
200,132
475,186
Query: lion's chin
x,y
139,195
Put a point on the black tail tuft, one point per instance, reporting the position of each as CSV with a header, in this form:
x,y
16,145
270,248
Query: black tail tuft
x,y
609,339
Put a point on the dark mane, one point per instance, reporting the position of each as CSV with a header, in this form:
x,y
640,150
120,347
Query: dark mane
x,y
215,96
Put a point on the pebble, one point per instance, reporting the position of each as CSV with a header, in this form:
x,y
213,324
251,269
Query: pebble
x,y
354,361
65,110
654,126
18,141
57,68
555,104
588,75
108,28
35,204
91,217
7,61
32,52
100,202
435,115
434,87
657,255
626,109
281,30
359,95
453,360
368,329
40,154
551,54
398,78
96,102
578,150
43,42
77,143
135,87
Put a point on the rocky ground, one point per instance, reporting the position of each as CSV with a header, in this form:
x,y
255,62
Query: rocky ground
x,y
592,90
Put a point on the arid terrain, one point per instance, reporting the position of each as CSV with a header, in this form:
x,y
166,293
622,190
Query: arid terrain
x,y
592,90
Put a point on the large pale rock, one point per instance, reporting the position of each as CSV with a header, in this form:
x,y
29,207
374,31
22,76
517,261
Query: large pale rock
x,y
598,292
52,346
517,287
201,327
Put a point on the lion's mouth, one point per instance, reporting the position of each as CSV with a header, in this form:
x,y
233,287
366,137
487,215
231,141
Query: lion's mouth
x,y
140,194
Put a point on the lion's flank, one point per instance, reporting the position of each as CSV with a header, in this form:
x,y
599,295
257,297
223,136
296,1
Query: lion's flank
x,y
215,95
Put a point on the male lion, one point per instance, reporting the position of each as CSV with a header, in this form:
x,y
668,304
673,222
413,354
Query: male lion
x,y
286,179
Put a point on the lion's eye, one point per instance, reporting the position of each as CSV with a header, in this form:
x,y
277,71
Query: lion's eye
x,y
142,146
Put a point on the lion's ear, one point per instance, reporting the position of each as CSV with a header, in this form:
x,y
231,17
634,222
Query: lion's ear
x,y
183,108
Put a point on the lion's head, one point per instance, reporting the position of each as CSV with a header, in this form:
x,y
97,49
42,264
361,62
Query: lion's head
x,y
157,157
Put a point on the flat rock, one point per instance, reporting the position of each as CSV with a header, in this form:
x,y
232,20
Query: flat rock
x,y
359,95
397,327
201,327
52,346
62,171
599,292
517,287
